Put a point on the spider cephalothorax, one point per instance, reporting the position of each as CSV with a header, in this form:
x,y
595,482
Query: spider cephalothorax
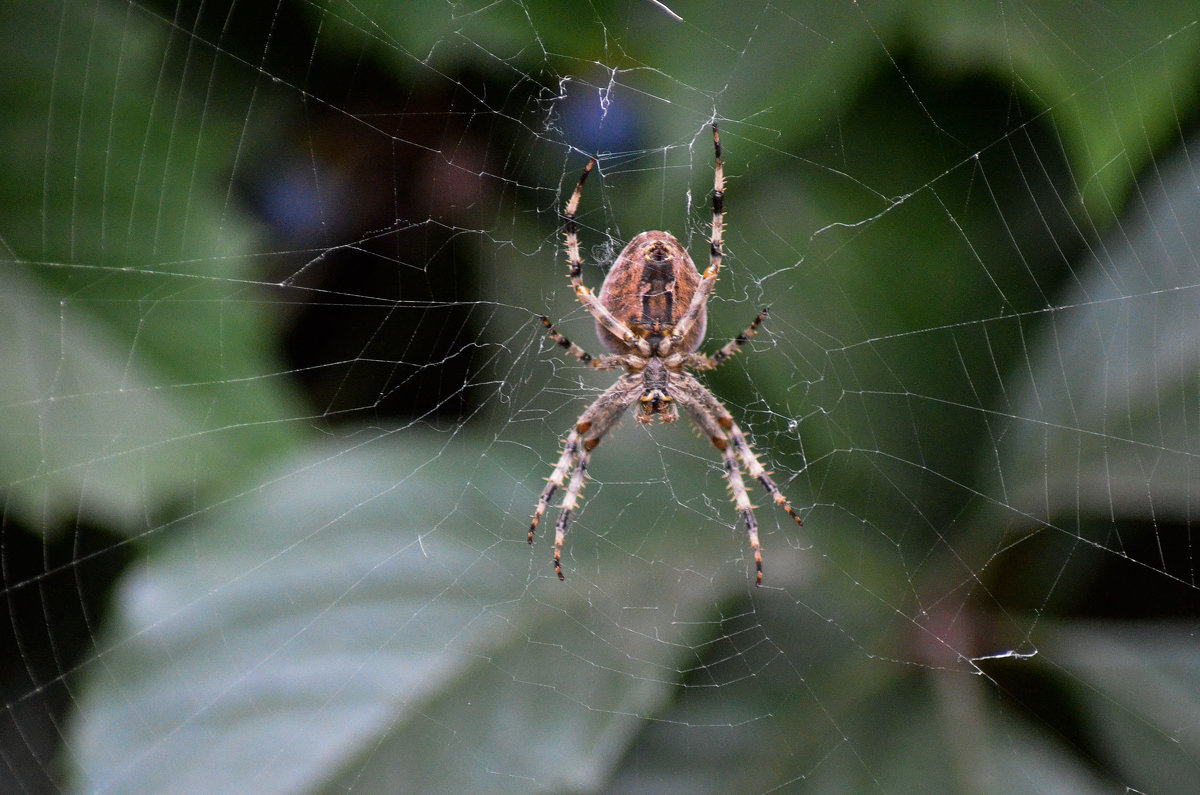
x,y
651,315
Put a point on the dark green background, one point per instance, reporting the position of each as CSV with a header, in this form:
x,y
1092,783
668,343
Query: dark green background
x,y
266,484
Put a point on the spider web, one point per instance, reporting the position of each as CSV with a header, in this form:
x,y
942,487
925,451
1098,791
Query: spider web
x,y
277,403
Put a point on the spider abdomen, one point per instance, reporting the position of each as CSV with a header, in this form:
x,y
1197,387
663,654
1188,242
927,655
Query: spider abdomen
x,y
649,288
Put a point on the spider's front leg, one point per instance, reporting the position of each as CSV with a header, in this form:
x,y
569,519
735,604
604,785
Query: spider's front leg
x,y
691,394
569,455
755,468
570,499
733,433
589,429
741,499
714,420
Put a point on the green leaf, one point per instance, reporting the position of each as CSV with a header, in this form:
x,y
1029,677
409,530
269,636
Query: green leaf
x,y
130,309
80,430
1139,683
1114,80
369,615
1104,420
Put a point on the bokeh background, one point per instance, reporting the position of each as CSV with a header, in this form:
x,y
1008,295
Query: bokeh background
x,y
276,404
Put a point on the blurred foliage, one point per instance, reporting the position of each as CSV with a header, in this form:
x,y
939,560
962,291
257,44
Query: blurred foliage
x,y
139,349
980,373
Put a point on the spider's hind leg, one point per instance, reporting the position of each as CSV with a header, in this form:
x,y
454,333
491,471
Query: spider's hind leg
x,y
716,251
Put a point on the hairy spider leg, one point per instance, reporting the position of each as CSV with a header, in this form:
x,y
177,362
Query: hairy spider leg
x,y
570,500
742,500
586,297
709,280
692,396
606,362
701,362
589,429
745,452
758,473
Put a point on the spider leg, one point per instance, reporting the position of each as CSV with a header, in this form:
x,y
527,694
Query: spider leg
x,y
589,429
709,280
572,229
606,362
734,474
586,297
758,473
570,499
692,395
569,454
725,420
699,361
715,420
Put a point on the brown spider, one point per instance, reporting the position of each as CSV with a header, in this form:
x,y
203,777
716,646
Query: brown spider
x,y
651,314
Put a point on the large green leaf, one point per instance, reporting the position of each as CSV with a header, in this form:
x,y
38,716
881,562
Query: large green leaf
x,y
1099,461
131,312
368,616
1104,419
1113,80
1140,685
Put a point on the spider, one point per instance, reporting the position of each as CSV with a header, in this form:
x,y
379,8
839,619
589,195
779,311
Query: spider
x,y
651,315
